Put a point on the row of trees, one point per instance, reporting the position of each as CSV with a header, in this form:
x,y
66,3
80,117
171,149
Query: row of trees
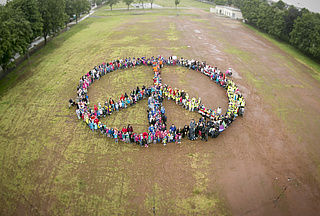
x,y
129,2
21,21
301,28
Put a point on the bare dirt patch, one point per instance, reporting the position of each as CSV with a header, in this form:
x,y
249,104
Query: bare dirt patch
x,y
261,151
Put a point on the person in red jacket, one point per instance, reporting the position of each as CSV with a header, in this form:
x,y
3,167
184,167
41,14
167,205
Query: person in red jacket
x,y
145,135
96,120
130,131
124,130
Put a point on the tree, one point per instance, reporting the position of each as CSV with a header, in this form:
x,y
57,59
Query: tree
x,y
81,6
112,2
53,16
306,34
128,2
290,16
176,2
250,10
77,7
276,18
97,2
220,2
262,20
15,34
142,2
280,4
30,10
270,19
237,3
229,2
69,10
151,2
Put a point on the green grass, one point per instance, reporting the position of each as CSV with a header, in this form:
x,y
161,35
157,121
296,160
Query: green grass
x,y
183,3
196,4
50,162
165,3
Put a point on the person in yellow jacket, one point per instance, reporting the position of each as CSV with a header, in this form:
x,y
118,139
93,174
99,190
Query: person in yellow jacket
x,y
219,110
242,103
187,104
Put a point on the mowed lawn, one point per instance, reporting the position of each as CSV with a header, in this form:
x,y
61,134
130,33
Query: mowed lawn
x,y
52,164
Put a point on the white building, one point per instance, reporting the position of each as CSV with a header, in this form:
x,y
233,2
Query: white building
x,y
234,13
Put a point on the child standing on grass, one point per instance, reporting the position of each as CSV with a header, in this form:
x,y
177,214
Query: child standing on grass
x,y
120,135
91,125
179,138
78,113
164,140
149,138
115,135
127,137
107,132
136,138
144,142
111,133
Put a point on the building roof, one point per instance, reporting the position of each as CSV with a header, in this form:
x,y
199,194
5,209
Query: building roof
x,y
228,7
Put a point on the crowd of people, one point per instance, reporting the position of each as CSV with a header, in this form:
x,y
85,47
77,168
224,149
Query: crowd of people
x,y
212,122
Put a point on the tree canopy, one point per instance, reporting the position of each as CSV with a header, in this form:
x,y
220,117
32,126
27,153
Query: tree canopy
x,y
53,16
30,11
128,2
15,34
176,2
81,6
97,2
306,34
111,2
299,27
151,2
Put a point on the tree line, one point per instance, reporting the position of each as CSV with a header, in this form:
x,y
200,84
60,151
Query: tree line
x,y
300,27
22,21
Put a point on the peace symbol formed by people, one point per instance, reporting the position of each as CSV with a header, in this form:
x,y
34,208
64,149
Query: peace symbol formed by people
x,y
211,123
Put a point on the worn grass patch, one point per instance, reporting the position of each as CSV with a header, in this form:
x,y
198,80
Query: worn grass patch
x,y
302,58
50,162
200,201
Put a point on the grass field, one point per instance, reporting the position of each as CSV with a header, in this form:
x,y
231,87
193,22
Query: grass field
x,y
50,162
170,3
